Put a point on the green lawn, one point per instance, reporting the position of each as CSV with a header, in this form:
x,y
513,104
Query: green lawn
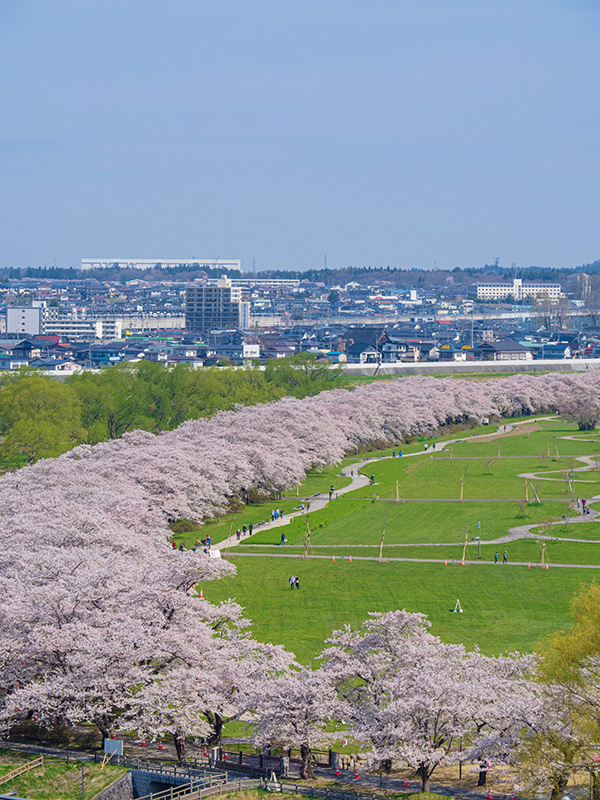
x,y
505,607
56,780
351,522
429,477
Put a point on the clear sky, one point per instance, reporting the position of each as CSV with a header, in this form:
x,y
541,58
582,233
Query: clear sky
x,y
400,132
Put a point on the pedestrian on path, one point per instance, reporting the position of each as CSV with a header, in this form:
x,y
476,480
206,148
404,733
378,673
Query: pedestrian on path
x,y
495,558
238,533
250,529
297,582
272,514
292,582
505,558
393,454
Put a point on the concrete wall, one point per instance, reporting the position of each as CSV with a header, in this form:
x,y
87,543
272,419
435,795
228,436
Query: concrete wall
x,y
451,368
121,789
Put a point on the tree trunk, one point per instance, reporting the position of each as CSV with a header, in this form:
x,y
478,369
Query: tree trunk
x,y
180,748
216,723
424,775
560,784
106,726
595,785
306,770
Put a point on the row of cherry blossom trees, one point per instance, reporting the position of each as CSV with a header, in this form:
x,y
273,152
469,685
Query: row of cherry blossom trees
x,y
98,619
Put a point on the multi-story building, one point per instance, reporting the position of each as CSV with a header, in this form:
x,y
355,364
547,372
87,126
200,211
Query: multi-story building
x,y
518,289
217,307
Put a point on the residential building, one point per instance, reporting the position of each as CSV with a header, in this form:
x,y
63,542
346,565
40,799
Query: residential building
x,y
213,307
24,319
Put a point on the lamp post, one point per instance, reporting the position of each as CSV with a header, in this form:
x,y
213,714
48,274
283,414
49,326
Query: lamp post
x,y
573,485
479,540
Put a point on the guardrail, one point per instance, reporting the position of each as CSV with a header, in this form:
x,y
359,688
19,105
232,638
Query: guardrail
x,y
38,762
194,791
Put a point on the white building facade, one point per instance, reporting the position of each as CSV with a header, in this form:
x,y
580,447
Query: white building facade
x,y
518,289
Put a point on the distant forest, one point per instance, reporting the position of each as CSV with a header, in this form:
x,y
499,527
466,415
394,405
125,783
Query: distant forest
x,y
393,276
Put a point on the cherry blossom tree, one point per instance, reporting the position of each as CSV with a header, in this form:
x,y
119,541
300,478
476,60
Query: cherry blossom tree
x,y
293,710
413,697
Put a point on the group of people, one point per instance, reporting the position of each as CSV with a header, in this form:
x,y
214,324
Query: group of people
x,y
276,514
294,582
585,509
504,558
205,543
246,529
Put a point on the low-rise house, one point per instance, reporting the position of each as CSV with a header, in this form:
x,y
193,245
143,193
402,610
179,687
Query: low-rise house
x,y
502,350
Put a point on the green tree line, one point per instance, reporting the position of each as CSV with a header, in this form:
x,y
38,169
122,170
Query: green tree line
x,y
42,418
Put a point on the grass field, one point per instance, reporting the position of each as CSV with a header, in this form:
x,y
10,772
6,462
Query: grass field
x,y
505,607
415,504
56,780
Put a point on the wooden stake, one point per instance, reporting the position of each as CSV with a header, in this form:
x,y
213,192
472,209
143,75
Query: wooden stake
x,y
307,540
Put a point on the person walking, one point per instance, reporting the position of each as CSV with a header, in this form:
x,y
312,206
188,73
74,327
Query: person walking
x,y
495,558
292,582
250,529
282,539
505,557
297,582
238,533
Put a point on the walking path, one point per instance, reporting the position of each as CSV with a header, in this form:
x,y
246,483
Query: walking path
x,y
358,481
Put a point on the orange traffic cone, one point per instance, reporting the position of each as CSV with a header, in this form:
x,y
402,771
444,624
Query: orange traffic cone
x,y
333,558
462,564
350,559
201,595
445,563
357,776
547,566
143,744
529,566
160,747
489,795
337,772
406,784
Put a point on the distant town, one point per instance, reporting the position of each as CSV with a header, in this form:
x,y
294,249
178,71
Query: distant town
x,y
210,312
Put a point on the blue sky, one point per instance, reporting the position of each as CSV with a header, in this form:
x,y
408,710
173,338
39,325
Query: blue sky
x,y
374,131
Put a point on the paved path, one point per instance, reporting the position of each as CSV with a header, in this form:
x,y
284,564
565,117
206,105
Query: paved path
x,y
358,481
